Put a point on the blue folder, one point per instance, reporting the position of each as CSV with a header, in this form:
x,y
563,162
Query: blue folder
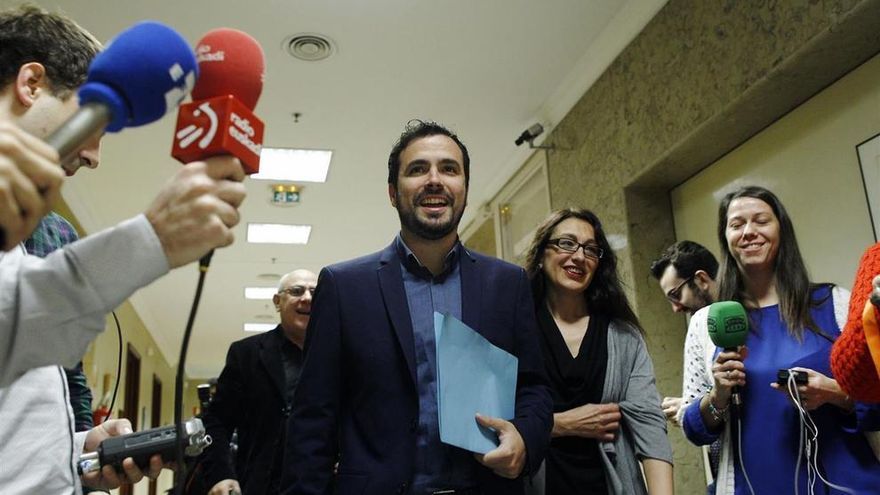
x,y
473,376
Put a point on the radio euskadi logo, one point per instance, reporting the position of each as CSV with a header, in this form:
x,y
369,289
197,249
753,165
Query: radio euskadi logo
x,y
190,133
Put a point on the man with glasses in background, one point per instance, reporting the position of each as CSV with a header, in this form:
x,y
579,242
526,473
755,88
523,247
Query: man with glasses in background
x,y
254,395
686,272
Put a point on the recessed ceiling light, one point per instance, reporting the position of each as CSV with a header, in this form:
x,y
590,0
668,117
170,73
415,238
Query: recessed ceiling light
x,y
309,47
278,233
295,165
259,327
259,292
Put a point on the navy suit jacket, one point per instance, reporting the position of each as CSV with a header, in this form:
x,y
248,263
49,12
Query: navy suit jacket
x,y
357,401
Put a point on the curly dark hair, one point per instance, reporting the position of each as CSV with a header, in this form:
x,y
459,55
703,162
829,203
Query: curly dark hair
x,y
416,129
32,34
605,292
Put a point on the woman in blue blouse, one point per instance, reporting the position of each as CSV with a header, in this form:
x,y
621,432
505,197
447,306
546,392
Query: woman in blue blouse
x,y
793,325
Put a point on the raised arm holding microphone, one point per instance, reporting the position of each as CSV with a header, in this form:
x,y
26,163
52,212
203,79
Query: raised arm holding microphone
x,y
51,309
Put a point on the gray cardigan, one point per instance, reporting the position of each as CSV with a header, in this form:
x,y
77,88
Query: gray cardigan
x,y
629,382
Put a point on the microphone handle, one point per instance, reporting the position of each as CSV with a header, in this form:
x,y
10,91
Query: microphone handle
x,y
205,261
735,397
87,122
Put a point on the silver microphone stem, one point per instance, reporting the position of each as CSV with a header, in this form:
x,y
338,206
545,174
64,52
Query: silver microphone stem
x,y
89,121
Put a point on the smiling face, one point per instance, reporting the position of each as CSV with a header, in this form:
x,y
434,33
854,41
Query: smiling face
x,y
430,193
294,302
570,272
752,233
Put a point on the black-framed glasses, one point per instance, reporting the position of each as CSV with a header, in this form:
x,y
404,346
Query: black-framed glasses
x,y
571,246
675,294
298,290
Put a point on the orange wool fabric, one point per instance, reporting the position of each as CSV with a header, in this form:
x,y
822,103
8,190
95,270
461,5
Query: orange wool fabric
x,y
851,359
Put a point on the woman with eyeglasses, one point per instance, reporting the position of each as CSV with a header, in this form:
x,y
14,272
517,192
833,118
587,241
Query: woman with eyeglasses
x,y
607,417
793,324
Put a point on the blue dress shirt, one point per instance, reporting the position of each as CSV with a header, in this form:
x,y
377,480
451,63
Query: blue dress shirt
x,y
437,465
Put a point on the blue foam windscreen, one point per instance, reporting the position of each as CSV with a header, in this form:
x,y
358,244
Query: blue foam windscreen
x,y
144,72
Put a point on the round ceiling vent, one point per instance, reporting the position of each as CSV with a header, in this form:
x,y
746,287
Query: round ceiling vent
x,y
310,47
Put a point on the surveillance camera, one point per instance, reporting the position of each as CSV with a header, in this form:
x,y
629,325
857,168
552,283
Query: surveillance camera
x,y
529,134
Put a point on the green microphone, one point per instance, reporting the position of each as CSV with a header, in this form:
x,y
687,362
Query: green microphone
x,y
728,326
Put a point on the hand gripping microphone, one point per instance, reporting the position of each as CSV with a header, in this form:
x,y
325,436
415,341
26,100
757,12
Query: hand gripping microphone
x,y
145,71
728,326
220,119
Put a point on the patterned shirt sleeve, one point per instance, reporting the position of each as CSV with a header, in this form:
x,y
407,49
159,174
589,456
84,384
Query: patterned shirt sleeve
x,y
53,232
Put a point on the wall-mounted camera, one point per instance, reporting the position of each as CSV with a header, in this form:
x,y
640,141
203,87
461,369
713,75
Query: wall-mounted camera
x,y
529,135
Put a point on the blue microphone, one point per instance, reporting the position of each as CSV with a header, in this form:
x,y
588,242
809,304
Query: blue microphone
x,y
144,72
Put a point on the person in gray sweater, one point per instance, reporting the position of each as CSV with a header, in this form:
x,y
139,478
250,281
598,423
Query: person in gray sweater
x,y
607,418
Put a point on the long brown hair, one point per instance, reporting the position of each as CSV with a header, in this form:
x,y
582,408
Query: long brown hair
x,y
792,281
605,293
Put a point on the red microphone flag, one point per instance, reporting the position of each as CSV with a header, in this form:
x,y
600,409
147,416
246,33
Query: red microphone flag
x,y
220,120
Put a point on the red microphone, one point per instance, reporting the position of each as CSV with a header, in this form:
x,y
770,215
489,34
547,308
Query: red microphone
x,y
220,119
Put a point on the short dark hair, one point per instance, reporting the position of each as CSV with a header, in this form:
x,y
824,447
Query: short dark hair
x,y
687,257
32,34
605,292
416,129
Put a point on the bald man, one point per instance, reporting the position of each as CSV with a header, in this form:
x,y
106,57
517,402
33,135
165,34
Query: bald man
x,y
254,394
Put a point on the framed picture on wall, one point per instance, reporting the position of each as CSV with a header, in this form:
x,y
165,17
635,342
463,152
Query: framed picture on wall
x,y
869,161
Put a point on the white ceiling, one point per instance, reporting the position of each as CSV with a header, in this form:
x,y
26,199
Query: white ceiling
x,y
486,68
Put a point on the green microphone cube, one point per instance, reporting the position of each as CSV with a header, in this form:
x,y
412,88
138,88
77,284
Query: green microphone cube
x,y
728,324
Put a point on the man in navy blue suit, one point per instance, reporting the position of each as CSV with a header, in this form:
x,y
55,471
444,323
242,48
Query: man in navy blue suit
x,y
367,394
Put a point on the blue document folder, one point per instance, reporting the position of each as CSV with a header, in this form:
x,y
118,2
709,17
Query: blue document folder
x,y
473,376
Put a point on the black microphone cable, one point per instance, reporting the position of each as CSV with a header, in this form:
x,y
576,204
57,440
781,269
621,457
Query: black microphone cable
x,y
118,367
180,475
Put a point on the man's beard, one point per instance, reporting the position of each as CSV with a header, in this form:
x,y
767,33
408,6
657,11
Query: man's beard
x,y
428,230
702,298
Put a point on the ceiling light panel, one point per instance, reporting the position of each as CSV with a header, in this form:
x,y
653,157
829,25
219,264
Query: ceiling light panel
x,y
294,165
259,327
278,233
259,292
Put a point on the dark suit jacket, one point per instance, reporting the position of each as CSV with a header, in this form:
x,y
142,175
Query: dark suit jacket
x,y
250,397
357,395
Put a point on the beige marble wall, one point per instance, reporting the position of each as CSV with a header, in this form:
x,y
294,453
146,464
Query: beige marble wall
x,y
482,240
699,80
